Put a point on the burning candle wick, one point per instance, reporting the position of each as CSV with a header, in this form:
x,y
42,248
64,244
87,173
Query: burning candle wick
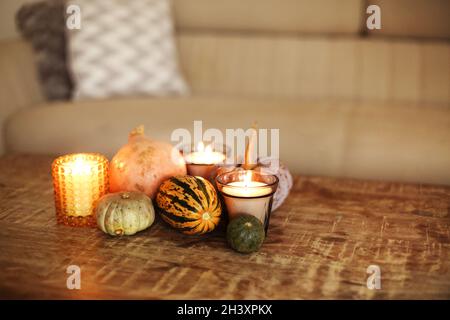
x,y
204,155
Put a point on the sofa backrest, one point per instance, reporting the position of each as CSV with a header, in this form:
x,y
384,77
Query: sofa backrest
x,y
286,16
316,67
425,19
405,18
313,49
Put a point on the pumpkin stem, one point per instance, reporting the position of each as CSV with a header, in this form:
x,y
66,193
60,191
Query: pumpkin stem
x,y
138,131
206,216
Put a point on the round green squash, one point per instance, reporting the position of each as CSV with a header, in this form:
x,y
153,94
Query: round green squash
x,y
189,204
245,234
124,213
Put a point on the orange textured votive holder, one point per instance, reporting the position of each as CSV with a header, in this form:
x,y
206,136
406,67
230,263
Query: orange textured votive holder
x,y
79,181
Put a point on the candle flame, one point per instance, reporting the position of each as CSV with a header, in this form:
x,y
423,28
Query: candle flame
x,y
205,155
200,146
247,178
80,166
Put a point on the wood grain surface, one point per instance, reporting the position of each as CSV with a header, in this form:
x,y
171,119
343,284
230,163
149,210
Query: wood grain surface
x,y
319,245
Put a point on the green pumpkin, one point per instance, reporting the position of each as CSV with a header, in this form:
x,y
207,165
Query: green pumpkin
x,y
124,213
189,204
245,234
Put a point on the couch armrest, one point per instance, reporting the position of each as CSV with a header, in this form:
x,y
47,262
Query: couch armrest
x,y
19,84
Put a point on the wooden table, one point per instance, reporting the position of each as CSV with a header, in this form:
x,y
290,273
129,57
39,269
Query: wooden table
x,y
319,246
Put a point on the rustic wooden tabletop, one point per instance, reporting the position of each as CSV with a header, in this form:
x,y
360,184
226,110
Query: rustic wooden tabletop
x,y
319,246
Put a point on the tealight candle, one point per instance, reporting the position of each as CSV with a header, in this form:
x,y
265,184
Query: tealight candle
x,y
247,188
248,192
79,181
203,161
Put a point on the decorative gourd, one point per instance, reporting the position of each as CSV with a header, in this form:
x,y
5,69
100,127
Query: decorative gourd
x,y
124,213
189,204
143,164
285,180
245,234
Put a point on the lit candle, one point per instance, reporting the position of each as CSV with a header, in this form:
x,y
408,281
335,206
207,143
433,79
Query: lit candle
x,y
203,161
204,155
79,181
247,188
243,195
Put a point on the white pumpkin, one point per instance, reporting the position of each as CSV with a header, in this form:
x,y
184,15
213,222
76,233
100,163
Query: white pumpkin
x,y
285,181
124,213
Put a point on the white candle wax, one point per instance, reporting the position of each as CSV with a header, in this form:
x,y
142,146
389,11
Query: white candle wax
x,y
81,173
247,189
204,155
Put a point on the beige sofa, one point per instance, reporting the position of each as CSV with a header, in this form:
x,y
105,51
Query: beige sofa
x,y
348,101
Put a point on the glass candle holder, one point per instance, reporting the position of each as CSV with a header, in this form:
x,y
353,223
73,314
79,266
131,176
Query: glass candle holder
x,y
79,180
248,192
204,160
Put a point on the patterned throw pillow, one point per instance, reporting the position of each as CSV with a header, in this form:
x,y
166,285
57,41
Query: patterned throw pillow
x,y
124,48
43,24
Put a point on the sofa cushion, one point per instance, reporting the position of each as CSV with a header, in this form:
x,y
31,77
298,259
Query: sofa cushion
x,y
124,48
379,141
299,16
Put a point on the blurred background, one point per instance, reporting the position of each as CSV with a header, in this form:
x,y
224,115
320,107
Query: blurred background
x,y
348,101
